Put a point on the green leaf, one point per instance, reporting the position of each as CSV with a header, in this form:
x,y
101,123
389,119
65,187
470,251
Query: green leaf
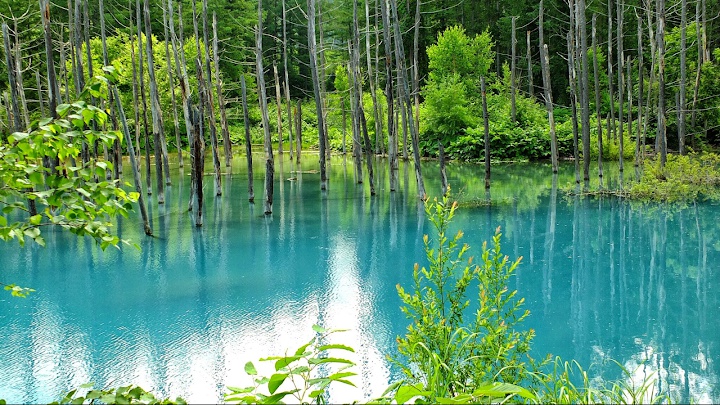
x,y
250,368
336,346
283,362
319,329
3,221
87,385
35,219
498,389
407,392
330,360
276,381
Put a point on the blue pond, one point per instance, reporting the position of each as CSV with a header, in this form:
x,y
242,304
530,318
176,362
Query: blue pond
x,y
603,279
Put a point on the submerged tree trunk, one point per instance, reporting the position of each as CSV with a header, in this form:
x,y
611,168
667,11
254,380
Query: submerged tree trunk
x,y
155,107
584,90
141,78
287,80
171,81
248,145
660,38
596,77
312,48
573,102
545,62
389,96
640,131
486,125
298,131
133,161
227,144
210,103
683,77
621,83
400,60
278,108
513,44
262,98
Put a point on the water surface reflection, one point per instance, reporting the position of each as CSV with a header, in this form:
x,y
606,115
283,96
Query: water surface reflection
x,y
182,315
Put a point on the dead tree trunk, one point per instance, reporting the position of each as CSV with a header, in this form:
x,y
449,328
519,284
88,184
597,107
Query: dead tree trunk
x,y
248,145
531,86
287,80
596,77
16,124
133,161
641,80
136,103
210,106
660,38
312,48
486,124
357,83
416,70
610,73
400,61
513,47
141,77
389,96
154,108
683,76
278,108
545,62
19,77
298,131
584,89
572,73
373,89
221,97
262,98
171,82
621,83
181,70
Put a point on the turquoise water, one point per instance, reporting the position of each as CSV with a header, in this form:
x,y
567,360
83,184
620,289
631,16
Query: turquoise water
x,y
184,313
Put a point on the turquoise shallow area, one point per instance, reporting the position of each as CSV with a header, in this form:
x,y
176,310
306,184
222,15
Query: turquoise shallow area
x,y
184,313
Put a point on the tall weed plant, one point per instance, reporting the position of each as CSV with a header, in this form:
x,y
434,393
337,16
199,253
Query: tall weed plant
x,y
450,347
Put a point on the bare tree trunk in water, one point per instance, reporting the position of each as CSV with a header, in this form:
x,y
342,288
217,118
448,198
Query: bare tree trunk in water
x,y
248,145
400,60
278,103
227,144
154,108
312,47
486,124
545,62
210,104
389,96
596,77
683,77
262,98
133,161
660,38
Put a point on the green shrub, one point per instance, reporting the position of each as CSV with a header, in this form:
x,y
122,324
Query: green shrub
x,y
684,178
450,348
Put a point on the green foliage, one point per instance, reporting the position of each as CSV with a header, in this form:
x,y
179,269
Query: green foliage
x,y
121,395
446,104
299,375
73,195
455,53
568,383
445,352
683,179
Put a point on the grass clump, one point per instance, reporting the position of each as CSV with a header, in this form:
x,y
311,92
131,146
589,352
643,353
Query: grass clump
x,y
682,179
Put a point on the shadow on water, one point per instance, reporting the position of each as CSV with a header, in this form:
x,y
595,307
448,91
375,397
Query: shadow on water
x,y
604,279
